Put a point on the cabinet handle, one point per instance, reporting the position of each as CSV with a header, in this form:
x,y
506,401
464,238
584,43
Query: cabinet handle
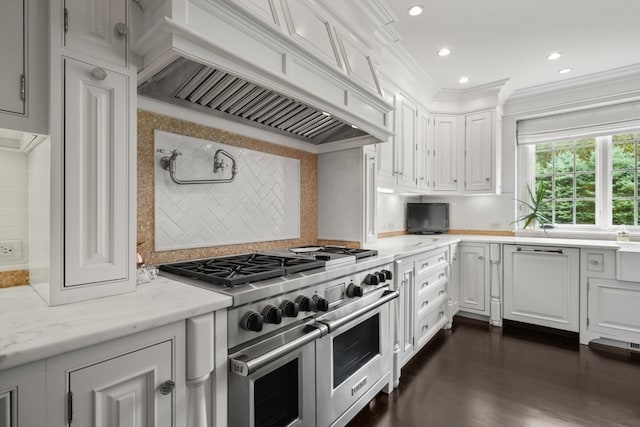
x,y
167,387
122,29
23,87
441,276
441,313
441,292
441,259
425,327
425,302
424,284
402,283
99,73
425,265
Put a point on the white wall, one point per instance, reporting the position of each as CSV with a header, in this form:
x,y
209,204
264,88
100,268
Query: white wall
x,y
391,214
479,212
14,205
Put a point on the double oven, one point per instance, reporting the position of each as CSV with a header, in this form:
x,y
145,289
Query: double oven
x,y
315,373
314,352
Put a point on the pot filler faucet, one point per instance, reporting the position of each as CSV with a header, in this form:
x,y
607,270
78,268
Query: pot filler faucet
x,y
168,163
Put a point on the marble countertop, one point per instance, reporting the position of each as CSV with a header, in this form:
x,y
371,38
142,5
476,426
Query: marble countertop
x,y
30,330
412,244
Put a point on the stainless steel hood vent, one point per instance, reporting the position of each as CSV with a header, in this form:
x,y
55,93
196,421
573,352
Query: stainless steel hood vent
x,y
197,86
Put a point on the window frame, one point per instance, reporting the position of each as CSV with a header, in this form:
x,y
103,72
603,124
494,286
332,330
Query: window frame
x,y
604,184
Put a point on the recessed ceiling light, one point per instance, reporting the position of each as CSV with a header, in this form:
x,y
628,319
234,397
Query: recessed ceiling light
x,y
565,70
444,51
463,80
554,55
354,126
324,113
415,10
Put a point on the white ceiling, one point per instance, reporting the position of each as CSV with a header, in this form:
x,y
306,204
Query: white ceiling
x,y
492,40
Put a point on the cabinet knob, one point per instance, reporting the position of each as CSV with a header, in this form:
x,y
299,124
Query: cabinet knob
x,y
594,262
99,73
455,181
122,29
167,387
487,179
480,257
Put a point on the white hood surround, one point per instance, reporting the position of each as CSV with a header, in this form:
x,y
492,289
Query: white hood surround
x,y
335,76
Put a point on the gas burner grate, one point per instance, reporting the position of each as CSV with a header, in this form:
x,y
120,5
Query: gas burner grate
x,y
239,269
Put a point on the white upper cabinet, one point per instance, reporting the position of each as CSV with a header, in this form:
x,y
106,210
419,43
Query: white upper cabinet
x,y
96,174
479,171
23,73
397,159
445,153
12,72
423,153
97,28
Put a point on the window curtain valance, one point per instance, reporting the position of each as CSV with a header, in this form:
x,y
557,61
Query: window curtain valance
x,y
607,120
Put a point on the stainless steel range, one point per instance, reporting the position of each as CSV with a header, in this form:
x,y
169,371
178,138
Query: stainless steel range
x,y
308,331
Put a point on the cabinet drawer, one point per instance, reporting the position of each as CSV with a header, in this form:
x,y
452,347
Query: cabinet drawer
x,y
425,282
432,259
431,298
613,309
429,324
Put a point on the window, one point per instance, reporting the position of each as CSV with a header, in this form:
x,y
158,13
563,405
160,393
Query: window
x,y
590,181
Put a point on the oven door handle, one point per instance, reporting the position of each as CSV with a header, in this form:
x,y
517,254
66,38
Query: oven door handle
x,y
243,365
385,298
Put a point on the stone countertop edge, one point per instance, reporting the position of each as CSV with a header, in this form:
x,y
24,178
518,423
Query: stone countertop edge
x,y
411,244
31,330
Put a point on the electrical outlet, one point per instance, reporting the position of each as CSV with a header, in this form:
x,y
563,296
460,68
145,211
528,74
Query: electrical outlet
x,y
390,226
10,249
494,225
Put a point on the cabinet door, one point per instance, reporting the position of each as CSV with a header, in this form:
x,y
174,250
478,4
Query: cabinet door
x,y
422,153
474,278
125,391
386,152
370,195
445,140
541,286
406,315
12,74
96,175
22,396
479,149
613,309
406,143
94,28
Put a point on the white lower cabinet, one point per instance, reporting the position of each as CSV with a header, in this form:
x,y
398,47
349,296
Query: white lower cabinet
x,y
541,285
22,396
138,380
610,307
422,306
405,313
474,278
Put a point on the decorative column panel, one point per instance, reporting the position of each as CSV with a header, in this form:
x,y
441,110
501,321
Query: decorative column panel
x,y
496,285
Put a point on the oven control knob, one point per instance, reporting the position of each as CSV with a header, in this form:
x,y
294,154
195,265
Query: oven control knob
x,y
319,304
272,314
304,303
381,276
354,290
289,308
371,279
387,274
252,321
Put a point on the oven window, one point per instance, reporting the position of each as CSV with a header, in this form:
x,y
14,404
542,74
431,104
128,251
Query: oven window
x,y
354,348
276,396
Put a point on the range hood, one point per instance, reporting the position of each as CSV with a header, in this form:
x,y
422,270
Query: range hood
x,y
216,57
205,88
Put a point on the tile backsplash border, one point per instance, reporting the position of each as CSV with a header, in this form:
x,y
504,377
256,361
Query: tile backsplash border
x,y
148,122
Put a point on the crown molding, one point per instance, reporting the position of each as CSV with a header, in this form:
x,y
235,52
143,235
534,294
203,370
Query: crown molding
x,y
622,73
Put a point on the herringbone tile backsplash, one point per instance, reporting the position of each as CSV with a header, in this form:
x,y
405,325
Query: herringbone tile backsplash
x,y
261,204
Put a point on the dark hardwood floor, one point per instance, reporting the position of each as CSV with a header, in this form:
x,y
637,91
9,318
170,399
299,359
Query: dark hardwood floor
x,y
476,375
